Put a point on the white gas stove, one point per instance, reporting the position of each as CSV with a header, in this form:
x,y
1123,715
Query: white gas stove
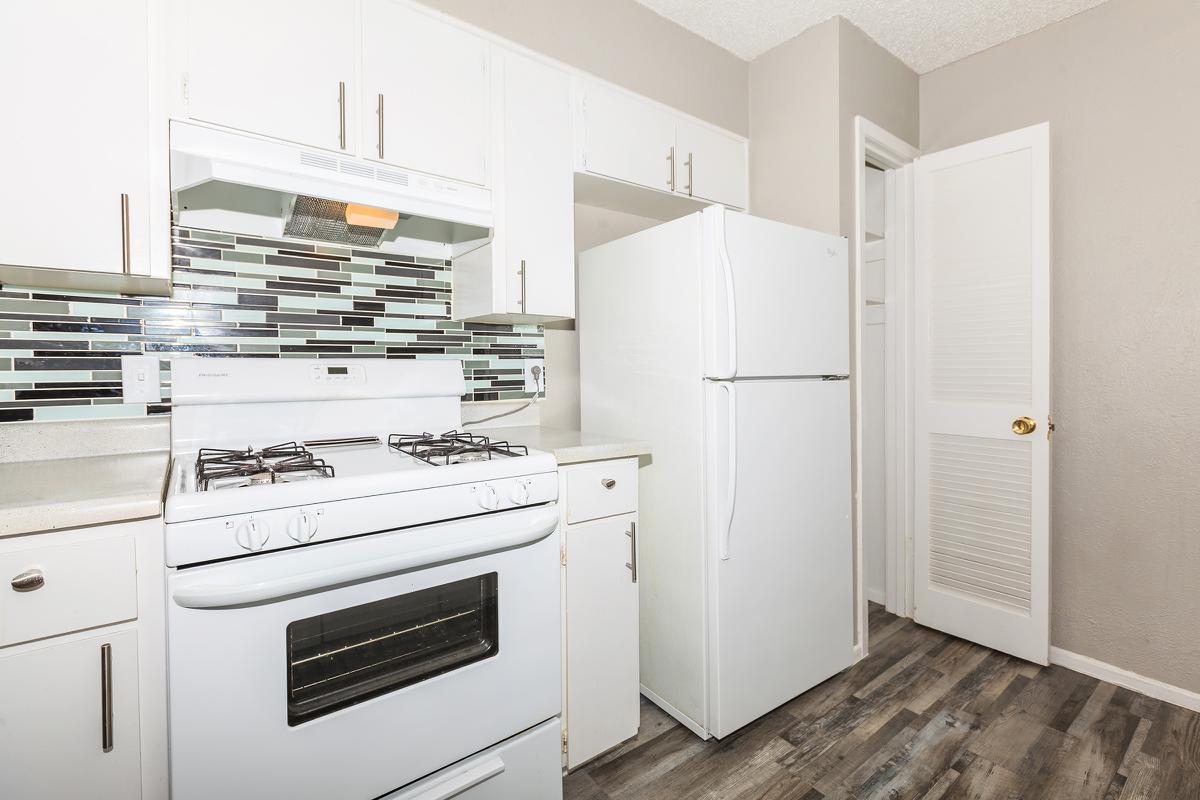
x,y
348,590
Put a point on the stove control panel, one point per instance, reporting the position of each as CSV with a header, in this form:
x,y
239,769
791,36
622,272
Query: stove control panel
x,y
330,519
338,373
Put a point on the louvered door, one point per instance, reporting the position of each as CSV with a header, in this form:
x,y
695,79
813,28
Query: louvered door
x,y
981,541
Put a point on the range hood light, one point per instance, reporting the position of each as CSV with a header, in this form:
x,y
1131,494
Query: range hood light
x,y
371,217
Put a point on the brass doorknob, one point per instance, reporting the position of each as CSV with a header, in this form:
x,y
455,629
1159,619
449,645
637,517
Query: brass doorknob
x,y
1024,425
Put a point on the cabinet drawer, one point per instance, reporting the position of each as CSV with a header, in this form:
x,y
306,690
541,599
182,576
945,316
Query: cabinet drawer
x,y
84,584
601,490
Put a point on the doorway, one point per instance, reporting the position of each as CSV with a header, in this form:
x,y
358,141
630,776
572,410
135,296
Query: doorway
x,y
882,253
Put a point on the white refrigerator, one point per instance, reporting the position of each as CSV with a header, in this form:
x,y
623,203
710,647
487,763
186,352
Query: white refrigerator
x,y
723,340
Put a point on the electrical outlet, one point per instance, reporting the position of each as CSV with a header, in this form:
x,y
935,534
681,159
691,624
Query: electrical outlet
x,y
535,384
139,380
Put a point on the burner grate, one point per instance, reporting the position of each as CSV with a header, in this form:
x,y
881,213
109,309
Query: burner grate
x,y
217,468
453,447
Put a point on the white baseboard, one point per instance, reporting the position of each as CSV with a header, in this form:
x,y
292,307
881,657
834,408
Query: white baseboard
x,y
876,596
682,718
1123,677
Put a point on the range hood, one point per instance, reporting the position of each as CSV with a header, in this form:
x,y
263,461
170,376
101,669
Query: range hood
x,y
243,184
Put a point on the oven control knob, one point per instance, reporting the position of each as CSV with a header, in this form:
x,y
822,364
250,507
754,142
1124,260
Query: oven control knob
x,y
303,527
487,496
520,492
252,534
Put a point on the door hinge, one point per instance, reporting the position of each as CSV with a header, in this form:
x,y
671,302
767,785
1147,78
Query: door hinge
x,y
564,741
1049,425
185,87
562,556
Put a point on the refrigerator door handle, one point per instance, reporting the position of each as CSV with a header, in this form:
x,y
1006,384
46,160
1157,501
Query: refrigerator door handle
x,y
730,302
731,477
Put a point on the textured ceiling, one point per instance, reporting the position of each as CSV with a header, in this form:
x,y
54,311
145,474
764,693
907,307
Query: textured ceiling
x,y
924,34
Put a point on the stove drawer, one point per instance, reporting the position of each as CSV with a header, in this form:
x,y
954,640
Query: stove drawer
x,y
55,590
526,767
603,489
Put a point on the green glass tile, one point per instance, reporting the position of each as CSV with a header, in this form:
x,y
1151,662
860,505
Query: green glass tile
x,y
13,325
240,256
11,306
5,364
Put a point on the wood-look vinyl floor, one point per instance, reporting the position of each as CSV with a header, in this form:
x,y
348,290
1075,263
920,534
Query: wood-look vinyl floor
x,y
925,716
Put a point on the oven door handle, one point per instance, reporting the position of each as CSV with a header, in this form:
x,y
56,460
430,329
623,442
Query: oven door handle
x,y
531,528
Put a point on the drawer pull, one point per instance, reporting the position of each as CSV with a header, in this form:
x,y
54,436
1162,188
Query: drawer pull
x,y
29,580
608,483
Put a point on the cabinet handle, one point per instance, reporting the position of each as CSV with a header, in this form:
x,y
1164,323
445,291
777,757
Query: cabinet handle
x,y
521,272
125,265
688,164
671,159
106,698
29,580
608,483
632,565
342,114
379,112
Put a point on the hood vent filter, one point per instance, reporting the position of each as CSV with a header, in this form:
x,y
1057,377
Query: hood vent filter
x,y
325,220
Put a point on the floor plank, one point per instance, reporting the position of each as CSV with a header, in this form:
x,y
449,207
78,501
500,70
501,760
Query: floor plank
x,y
927,717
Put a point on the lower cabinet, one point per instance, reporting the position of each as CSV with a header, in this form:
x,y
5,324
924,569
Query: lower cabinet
x,y
69,725
602,706
83,664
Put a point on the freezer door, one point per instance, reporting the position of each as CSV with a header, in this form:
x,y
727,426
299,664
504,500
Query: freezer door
x,y
777,298
780,552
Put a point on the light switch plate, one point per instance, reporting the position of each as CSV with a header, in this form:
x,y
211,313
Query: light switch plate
x,y
532,385
139,380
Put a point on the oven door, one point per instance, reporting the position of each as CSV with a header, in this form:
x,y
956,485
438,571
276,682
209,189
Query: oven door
x,y
349,669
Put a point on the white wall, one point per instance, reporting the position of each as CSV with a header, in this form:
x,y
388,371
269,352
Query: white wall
x,y
1120,85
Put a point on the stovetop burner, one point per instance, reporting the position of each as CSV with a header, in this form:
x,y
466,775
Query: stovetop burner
x,y
281,463
453,447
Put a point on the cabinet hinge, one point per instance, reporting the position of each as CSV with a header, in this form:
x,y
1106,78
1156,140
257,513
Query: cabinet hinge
x,y
185,87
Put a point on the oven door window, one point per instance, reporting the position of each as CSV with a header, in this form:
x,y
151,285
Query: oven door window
x,y
351,655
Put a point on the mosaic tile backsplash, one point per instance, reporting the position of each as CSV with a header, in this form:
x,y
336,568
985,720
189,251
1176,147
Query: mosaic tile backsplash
x,y
245,297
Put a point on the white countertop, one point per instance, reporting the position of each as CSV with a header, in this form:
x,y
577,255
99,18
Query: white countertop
x,y
71,474
568,446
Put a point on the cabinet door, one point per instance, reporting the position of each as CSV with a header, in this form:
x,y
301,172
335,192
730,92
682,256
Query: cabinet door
x,y
602,636
538,214
712,165
425,93
628,139
281,68
75,135
53,740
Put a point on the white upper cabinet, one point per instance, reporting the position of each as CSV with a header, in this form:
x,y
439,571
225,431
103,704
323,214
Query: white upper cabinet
x,y
77,137
425,96
536,199
280,68
527,273
631,139
712,165
627,138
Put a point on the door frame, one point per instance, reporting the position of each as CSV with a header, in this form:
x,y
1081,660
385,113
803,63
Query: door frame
x,y
888,151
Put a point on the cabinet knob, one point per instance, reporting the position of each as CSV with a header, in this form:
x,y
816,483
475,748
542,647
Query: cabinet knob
x,y
608,483
29,580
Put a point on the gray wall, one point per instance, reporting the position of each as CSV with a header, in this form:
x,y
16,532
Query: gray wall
x,y
875,84
804,95
623,42
794,130
1120,85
